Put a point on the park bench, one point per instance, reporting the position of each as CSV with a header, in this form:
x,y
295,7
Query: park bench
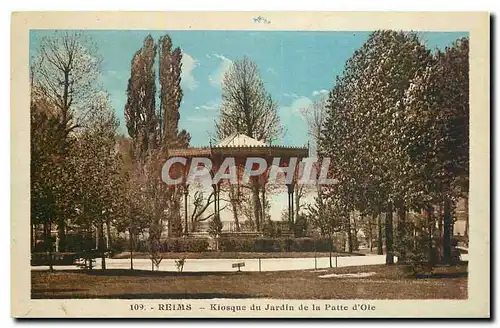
x,y
239,265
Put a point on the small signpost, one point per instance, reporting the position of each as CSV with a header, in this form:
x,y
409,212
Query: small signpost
x,y
239,265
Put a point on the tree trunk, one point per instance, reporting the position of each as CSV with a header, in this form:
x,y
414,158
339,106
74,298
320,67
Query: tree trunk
x,y
48,243
380,246
355,230
108,236
131,249
186,225
61,232
402,240
466,209
89,247
430,225
33,237
263,204
102,245
349,233
298,197
447,222
440,221
330,240
98,237
234,205
256,206
389,259
370,234
176,215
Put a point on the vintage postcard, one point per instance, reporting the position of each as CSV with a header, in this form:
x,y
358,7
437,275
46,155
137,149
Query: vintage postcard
x,y
250,164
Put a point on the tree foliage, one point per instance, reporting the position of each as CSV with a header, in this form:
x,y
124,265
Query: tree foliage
x,y
65,99
140,111
397,133
247,108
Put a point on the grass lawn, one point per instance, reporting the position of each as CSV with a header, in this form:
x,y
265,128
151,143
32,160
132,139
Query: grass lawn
x,y
388,283
233,255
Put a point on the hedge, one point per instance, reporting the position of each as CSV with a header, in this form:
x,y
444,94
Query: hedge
x,y
57,258
235,244
186,245
180,245
263,244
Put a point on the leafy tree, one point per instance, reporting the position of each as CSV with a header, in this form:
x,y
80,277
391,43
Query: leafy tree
x,y
65,72
170,94
63,76
396,127
324,216
170,99
45,181
247,108
369,228
315,116
140,111
300,226
95,170
361,124
154,132
269,229
133,217
437,138
215,229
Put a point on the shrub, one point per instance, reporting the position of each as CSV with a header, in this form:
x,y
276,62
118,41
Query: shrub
x,y
268,244
119,245
156,260
180,264
215,227
300,226
422,253
270,229
228,244
79,243
303,245
186,245
141,246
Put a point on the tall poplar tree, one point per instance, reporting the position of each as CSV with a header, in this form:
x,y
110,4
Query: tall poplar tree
x,y
140,111
170,68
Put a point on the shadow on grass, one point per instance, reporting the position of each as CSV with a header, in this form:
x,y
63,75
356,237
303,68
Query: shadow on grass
x,y
146,273
40,295
55,290
441,275
234,255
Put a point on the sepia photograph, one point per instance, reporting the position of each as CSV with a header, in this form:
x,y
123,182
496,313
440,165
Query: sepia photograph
x,y
218,165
